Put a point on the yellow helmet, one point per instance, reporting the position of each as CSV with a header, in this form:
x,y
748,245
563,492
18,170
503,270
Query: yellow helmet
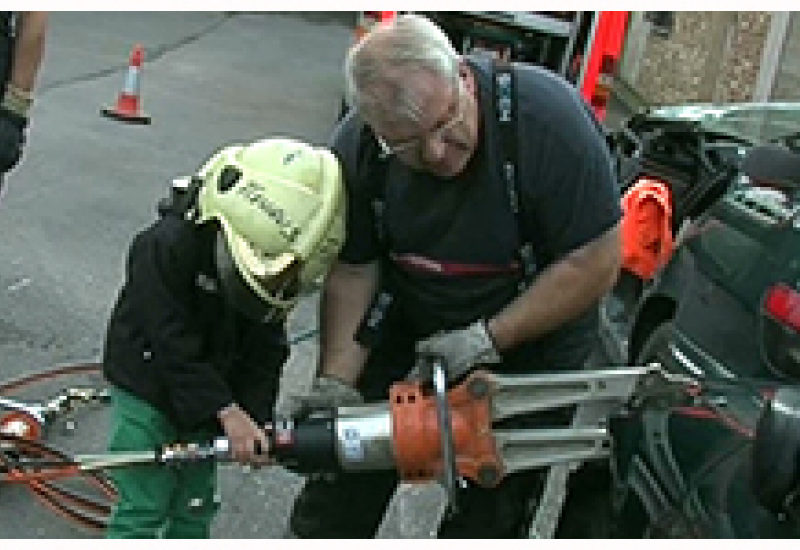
x,y
280,204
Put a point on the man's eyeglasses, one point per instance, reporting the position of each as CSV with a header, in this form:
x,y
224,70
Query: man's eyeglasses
x,y
412,147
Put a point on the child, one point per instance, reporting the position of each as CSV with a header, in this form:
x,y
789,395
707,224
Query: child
x,y
196,340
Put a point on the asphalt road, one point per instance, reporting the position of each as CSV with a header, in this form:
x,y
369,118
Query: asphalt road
x,y
88,183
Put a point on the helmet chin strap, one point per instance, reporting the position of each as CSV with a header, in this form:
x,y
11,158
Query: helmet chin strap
x,y
236,292
275,314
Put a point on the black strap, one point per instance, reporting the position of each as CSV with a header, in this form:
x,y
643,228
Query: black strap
x,y
7,24
369,331
379,173
182,202
373,167
6,49
505,107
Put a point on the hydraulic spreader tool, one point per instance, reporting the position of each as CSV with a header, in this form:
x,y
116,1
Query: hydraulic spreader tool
x,y
425,431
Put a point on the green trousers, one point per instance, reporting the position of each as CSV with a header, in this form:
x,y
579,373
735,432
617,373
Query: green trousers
x,y
157,501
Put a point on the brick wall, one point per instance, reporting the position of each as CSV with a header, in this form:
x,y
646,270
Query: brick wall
x,y
707,57
742,58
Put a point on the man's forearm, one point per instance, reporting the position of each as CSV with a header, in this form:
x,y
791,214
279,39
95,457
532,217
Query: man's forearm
x,y
561,293
347,294
28,49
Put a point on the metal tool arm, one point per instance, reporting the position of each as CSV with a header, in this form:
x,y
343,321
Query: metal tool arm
x,y
529,449
600,392
513,395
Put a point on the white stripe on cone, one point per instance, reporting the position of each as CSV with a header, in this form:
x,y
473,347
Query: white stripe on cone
x,y
132,81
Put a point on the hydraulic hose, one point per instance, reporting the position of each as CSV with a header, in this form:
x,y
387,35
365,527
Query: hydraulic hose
x,y
84,511
79,368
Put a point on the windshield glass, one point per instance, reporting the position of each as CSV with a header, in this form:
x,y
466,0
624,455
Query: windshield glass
x,y
755,122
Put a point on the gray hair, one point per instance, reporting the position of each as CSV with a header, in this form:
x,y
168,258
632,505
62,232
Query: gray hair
x,y
378,67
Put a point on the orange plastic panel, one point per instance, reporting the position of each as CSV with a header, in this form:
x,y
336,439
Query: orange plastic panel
x,y
417,437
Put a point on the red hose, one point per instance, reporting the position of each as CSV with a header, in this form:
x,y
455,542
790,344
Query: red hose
x,y
86,512
82,510
78,368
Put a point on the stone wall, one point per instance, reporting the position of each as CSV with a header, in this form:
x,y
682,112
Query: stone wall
x,y
705,57
742,57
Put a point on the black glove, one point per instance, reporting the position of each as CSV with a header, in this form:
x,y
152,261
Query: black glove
x,y
325,392
12,138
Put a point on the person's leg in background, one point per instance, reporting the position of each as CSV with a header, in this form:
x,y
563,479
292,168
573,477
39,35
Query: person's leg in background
x,y
505,511
502,512
353,505
345,506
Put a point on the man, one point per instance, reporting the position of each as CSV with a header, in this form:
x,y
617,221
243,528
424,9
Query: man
x,y
196,340
22,37
432,261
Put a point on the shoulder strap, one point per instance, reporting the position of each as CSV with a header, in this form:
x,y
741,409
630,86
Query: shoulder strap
x,y
182,199
7,19
505,108
375,167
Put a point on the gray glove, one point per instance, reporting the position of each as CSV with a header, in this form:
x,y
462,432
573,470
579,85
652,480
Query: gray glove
x,y
325,392
461,349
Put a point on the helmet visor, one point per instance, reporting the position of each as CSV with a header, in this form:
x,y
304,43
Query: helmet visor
x,y
278,289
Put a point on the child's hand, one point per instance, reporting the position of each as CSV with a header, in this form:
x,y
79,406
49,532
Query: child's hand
x,y
249,443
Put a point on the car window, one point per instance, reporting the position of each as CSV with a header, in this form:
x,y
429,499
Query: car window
x,y
757,123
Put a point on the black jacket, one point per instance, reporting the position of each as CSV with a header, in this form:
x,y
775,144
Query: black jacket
x,y
172,340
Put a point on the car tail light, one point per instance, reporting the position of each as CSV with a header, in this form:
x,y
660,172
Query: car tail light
x,y
779,334
782,303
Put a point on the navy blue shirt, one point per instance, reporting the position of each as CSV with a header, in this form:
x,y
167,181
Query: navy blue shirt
x,y
569,196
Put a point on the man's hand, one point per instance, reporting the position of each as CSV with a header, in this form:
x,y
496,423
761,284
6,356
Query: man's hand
x,y
248,442
12,138
461,349
325,392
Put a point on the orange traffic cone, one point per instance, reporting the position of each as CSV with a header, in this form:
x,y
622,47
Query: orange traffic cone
x,y
127,108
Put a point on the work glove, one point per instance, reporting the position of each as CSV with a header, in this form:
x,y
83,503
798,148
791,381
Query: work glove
x,y
462,350
326,392
12,138
249,443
